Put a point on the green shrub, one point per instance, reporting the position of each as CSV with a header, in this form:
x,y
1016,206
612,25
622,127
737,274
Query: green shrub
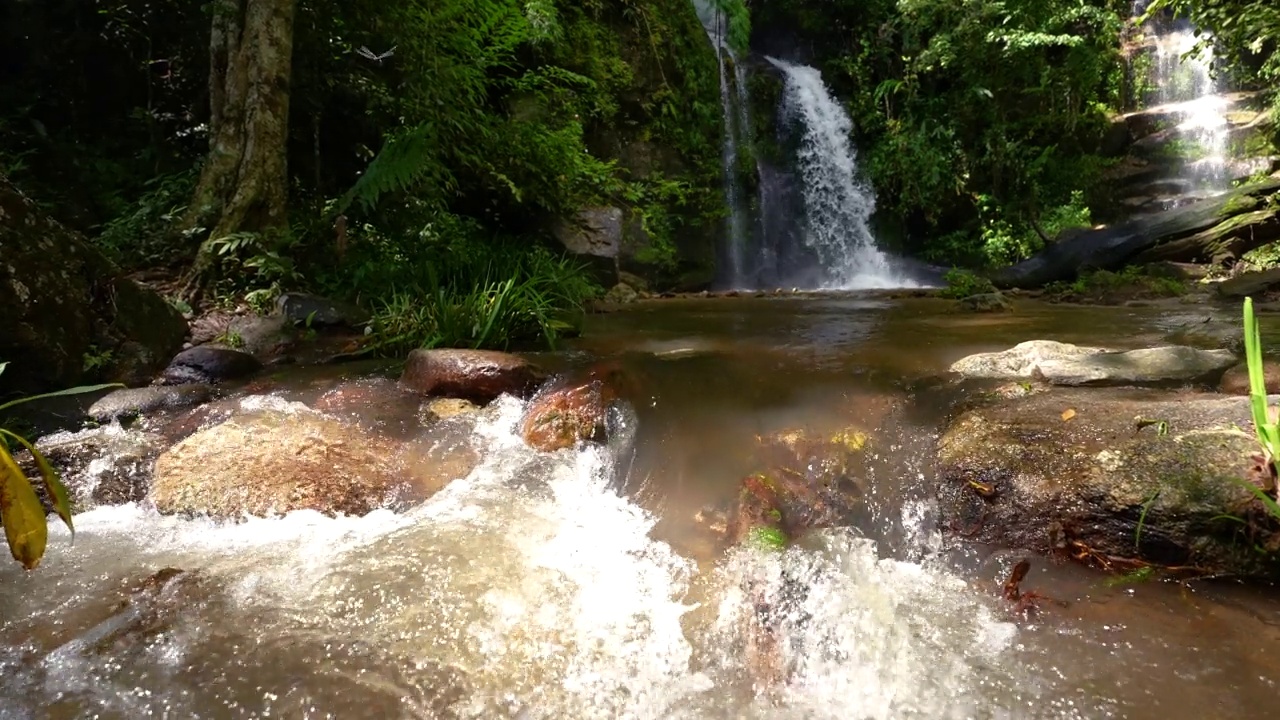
x,y
1102,285
963,284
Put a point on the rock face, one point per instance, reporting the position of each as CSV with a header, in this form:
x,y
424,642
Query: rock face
x,y
477,375
593,231
209,364
63,303
1066,364
1236,380
271,462
1214,230
1252,283
139,401
1018,474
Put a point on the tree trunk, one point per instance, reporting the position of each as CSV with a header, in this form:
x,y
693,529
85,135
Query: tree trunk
x,y
243,185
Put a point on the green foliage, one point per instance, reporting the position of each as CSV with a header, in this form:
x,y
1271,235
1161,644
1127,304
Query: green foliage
x,y
1265,425
1107,286
257,265
484,300
21,511
1244,33
962,284
142,235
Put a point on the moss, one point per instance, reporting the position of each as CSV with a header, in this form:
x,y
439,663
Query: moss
x,y
768,538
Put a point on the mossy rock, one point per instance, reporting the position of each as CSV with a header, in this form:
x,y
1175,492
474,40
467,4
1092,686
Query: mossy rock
x,y
1119,478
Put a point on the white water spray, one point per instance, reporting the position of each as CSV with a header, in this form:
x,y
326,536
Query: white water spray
x,y
838,205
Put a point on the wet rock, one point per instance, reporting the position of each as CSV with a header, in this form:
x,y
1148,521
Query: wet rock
x,y
132,402
1236,380
593,231
275,461
445,408
985,303
805,482
209,364
304,308
1066,364
446,452
374,403
477,375
1076,471
101,466
621,294
565,414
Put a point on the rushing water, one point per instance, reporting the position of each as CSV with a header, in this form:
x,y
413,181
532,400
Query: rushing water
x,y
578,584
1186,87
838,204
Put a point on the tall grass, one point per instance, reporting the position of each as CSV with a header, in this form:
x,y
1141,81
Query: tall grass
x,y
517,299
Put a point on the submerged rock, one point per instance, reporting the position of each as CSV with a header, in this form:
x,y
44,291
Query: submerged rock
x,y
131,402
805,482
477,375
272,462
1079,473
1066,364
374,403
209,364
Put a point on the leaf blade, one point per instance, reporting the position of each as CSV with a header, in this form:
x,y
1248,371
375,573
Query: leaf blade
x,y
22,514
52,482
62,393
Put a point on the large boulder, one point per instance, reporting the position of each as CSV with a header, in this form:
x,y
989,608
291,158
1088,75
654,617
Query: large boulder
x,y
1250,283
275,461
209,364
1118,478
69,315
566,413
1067,364
316,311
478,375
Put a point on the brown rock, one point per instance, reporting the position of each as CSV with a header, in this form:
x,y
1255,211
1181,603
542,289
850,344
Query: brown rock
x,y
566,413
373,403
445,408
1078,472
478,375
1236,380
271,462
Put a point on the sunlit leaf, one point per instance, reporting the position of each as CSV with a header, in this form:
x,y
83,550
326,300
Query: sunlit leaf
x,y
61,393
1068,414
22,514
52,483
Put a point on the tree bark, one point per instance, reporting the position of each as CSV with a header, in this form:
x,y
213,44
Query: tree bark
x,y
243,185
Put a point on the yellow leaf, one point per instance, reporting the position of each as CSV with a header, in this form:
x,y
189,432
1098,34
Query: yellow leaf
x,y
57,492
21,513
1068,414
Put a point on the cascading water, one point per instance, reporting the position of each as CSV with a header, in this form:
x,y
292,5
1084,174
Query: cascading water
x,y
733,102
837,204
1187,88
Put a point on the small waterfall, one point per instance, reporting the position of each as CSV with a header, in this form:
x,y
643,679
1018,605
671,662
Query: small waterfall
x,y
736,130
837,204
1186,88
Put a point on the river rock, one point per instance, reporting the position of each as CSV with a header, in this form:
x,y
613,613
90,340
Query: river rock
x,y
209,364
1066,364
564,414
131,402
303,308
1250,283
621,294
477,375
100,466
374,403
985,303
1236,380
64,302
805,481
1075,471
276,461
444,408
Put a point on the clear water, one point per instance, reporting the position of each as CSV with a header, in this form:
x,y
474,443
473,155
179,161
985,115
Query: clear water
x,y
579,585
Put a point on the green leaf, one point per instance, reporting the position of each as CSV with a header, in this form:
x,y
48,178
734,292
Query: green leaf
x,y
1267,501
52,483
22,514
61,393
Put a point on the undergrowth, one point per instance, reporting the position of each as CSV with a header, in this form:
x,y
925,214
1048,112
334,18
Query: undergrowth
x,y
1105,286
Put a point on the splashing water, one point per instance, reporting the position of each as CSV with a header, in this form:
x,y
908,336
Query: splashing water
x,y
838,205
530,588
1186,88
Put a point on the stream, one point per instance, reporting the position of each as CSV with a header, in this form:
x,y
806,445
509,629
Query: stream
x,y
587,584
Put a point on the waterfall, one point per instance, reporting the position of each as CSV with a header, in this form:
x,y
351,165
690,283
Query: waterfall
x,y
1186,87
736,129
837,203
